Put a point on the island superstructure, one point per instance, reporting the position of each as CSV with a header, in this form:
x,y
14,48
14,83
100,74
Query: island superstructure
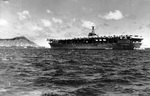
x,y
93,41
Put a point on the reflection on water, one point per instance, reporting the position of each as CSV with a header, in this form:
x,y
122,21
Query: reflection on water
x,y
45,72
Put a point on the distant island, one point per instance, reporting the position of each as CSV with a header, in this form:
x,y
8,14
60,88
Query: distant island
x,y
17,42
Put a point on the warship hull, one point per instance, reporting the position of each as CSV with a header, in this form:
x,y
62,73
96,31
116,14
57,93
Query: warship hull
x,y
114,46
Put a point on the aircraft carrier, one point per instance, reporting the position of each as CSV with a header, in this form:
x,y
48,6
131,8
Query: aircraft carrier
x,y
93,41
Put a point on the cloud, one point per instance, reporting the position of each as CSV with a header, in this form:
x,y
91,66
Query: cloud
x,y
116,15
87,24
73,19
30,29
46,23
57,20
6,1
23,15
36,28
148,26
83,8
140,27
131,16
106,25
49,11
3,22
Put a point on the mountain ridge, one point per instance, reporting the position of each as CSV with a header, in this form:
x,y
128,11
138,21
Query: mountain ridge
x,y
20,41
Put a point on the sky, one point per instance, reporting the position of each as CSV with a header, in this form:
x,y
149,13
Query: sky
x,y
39,20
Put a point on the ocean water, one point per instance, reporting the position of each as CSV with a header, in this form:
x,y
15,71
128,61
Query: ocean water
x,y
45,72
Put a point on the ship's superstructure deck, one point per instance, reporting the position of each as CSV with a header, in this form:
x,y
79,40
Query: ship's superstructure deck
x,y
104,39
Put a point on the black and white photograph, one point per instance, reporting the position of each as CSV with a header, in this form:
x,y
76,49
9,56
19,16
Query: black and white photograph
x,y
74,47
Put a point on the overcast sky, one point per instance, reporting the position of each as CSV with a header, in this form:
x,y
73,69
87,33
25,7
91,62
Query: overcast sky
x,y
41,19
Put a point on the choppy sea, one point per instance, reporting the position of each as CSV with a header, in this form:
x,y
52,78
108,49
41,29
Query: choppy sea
x,y
45,72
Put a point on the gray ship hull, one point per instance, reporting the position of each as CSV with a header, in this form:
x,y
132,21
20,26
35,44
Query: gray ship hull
x,y
117,46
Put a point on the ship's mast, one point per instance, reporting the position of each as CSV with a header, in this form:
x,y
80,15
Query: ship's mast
x,y
92,34
93,31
